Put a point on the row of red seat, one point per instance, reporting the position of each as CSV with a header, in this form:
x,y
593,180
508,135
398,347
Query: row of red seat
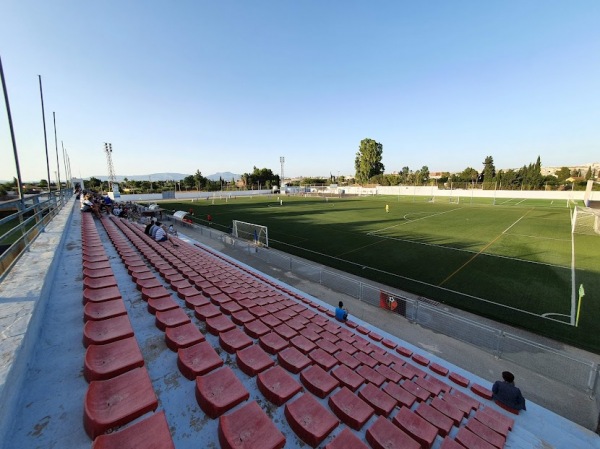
x,y
326,354
120,393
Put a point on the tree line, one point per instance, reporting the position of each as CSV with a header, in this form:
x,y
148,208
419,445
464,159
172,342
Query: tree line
x,y
370,170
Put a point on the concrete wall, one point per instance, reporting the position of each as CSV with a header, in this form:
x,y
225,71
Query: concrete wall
x,y
194,195
431,191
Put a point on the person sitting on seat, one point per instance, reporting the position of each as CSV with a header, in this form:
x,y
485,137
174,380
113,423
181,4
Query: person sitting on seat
x,y
154,229
88,205
341,314
505,392
161,234
149,226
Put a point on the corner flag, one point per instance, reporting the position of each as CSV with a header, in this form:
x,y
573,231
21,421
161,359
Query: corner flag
x,y
581,295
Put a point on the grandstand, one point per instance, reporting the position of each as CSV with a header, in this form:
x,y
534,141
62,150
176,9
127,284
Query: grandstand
x,y
186,347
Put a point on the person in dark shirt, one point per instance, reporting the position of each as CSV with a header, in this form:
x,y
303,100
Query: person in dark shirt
x,y
505,392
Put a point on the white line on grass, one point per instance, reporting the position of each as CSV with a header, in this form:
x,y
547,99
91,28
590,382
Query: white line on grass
x,y
412,221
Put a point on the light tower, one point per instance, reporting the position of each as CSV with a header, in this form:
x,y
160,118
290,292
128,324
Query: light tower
x,y
109,163
282,161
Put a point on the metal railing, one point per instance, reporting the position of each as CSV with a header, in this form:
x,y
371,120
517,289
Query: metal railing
x,y
24,221
576,372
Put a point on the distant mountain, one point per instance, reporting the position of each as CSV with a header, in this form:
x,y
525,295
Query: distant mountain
x,y
170,177
227,176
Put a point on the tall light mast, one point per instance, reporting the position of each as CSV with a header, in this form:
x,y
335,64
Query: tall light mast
x,y
109,163
281,161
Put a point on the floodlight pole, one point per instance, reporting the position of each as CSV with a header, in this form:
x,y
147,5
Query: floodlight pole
x,y
45,134
282,162
12,133
57,161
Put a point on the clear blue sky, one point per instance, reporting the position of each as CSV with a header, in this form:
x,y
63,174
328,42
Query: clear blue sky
x,y
177,86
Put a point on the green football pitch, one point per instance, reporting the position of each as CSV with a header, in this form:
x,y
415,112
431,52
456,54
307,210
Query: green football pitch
x,y
515,261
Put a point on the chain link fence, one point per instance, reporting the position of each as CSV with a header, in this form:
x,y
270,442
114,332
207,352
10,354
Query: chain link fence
x,y
574,371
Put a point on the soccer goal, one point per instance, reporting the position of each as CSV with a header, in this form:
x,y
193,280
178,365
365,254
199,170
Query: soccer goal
x,y
585,220
251,232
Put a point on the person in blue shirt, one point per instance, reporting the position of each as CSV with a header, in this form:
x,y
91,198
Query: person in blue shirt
x,y
504,391
341,314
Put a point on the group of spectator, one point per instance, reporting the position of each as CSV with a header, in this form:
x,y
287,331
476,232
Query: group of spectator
x,y
159,231
97,204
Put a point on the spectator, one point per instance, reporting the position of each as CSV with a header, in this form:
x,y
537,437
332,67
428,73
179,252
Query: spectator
x,y
87,205
505,392
154,229
149,226
107,203
172,230
341,314
161,234
117,210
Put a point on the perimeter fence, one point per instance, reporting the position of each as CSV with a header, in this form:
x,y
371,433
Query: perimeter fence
x,y
21,221
575,371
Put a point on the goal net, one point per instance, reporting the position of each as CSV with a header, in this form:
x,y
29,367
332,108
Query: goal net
x,y
585,221
251,232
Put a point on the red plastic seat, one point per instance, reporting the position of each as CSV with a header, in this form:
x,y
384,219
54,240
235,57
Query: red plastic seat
x,y
234,340
117,401
219,323
382,403
97,283
101,294
150,433
277,385
219,391
448,409
303,344
486,433
418,428
470,440
161,304
103,310
347,377
182,336
106,331
403,397
458,379
323,359
253,359
256,328
347,359
272,343
482,391
171,318
198,359
443,423
352,410
384,435
346,440
112,359
249,427
370,375
318,382
310,420
495,420
293,360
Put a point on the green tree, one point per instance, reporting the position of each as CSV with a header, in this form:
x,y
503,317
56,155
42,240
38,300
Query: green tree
x,y
43,183
94,183
368,160
563,174
588,174
199,179
489,170
423,175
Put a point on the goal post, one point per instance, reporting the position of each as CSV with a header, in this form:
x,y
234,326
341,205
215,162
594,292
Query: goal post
x,y
585,220
252,232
